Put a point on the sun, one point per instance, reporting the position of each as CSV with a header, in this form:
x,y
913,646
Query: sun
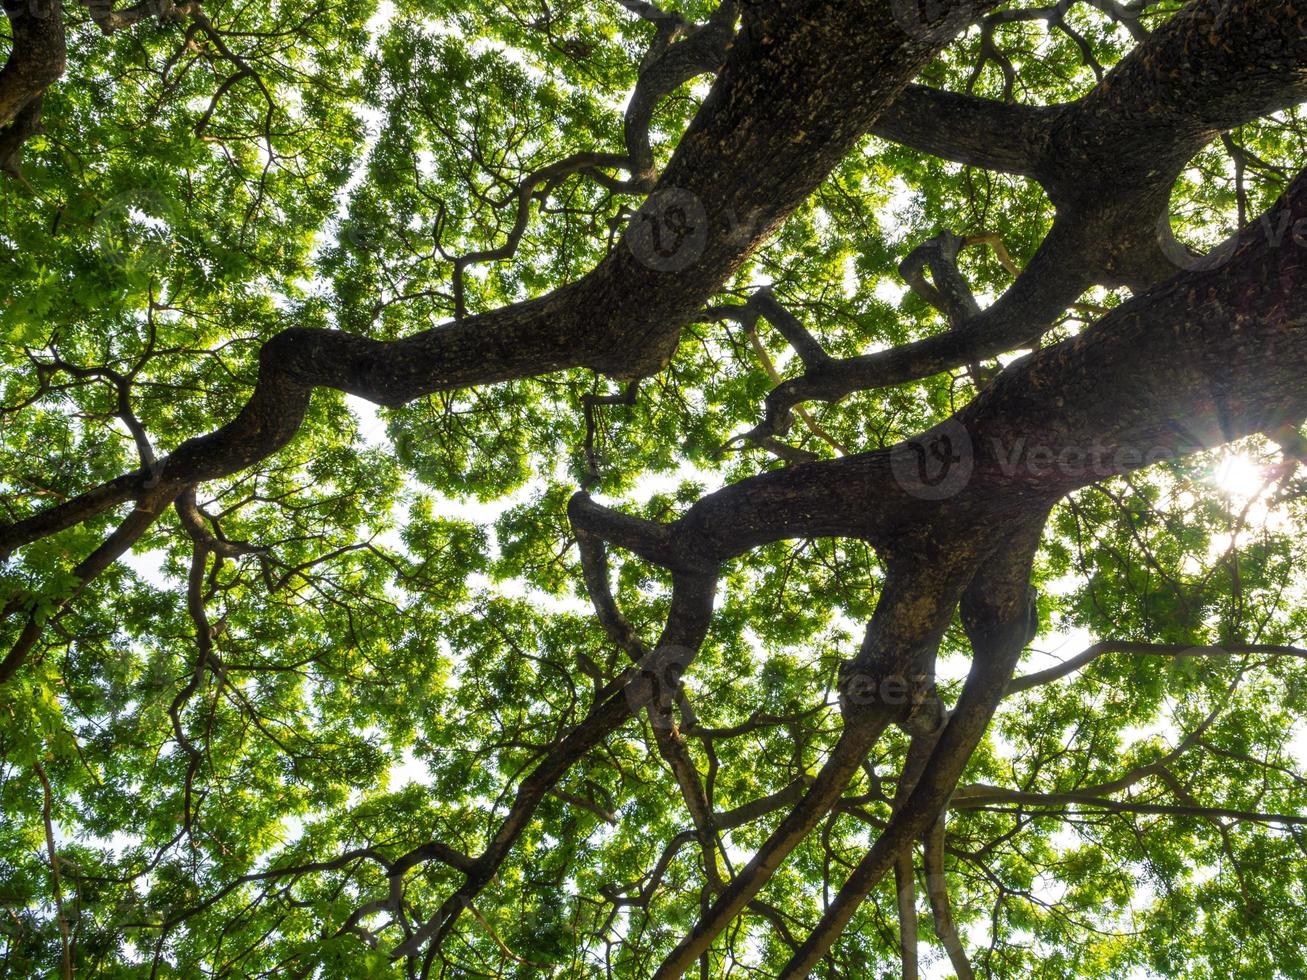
x,y
1239,475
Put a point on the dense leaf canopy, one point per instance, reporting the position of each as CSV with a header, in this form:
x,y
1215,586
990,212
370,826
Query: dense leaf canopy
x,y
622,324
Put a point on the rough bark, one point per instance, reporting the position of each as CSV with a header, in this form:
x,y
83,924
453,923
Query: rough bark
x,y
35,61
1040,431
803,81
1107,161
998,614
1195,360
1203,359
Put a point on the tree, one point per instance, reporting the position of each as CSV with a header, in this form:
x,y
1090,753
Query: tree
x,y
986,322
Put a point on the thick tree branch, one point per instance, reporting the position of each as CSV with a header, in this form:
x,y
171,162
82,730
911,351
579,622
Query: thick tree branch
x,y
996,797
84,573
1185,380
110,20
37,57
669,66
985,133
35,62
905,887
623,318
907,626
999,617
1060,271
1213,66
671,745
47,809
764,305
1108,162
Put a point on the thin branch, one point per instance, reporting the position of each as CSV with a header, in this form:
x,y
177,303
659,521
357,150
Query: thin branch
x,y
1175,650
994,796
47,806
940,906
905,887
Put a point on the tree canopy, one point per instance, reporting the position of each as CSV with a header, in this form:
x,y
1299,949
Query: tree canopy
x,y
764,488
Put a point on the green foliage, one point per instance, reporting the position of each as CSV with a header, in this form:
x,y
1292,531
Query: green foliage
x,y
402,632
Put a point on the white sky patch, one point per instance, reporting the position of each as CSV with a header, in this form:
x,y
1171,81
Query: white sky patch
x,y
1059,643
952,668
1249,485
1159,728
410,769
851,281
1055,646
372,429
663,483
380,20
149,566
889,291
1010,357
898,210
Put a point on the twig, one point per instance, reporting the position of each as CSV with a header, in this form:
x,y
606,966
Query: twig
x,y
46,808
